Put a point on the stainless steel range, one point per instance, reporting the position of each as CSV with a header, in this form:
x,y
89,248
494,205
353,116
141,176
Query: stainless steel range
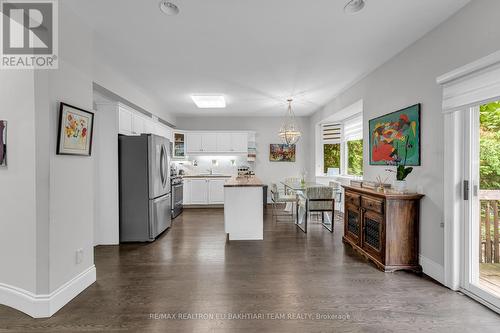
x,y
176,186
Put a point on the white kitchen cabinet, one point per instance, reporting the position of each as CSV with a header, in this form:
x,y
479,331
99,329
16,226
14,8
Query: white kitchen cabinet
x,y
224,142
209,142
216,191
124,121
186,192
149,126
137,124
199,191
193,143
239,142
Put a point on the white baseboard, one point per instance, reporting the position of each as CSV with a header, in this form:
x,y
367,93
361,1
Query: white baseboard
x,y
432,268
43,306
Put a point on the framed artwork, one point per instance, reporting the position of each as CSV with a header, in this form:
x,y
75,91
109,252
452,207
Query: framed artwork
x,y
282,153
395,138
3,143
76,127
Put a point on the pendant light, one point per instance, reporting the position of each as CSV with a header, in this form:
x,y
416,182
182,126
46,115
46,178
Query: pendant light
x,y
289,132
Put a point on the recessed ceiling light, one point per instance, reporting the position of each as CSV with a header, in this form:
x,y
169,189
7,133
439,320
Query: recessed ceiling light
x,y
169,8
209,101
354,6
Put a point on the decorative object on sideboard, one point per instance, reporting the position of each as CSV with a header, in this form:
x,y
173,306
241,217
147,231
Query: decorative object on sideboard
x,y
402,171
382,184
75,131
281,153
289,131
391,133
3,143
356,183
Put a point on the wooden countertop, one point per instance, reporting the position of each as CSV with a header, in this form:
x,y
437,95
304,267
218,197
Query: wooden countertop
x,y
206,176
244,182
390,194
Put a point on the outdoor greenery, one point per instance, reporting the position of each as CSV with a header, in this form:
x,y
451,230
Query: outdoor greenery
x,y
331,153
331,156
490,146
355,158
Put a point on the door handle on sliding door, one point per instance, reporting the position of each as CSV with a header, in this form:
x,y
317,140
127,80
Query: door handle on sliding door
x,y
466,190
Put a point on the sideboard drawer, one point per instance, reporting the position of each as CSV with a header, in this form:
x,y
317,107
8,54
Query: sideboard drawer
x,y
372,204
352,198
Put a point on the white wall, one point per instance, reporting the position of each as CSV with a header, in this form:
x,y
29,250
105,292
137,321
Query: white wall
x,y
72,177
410,78
266,129
17,182
106,226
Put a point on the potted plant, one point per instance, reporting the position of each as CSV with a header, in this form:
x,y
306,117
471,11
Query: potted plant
x,y
402,171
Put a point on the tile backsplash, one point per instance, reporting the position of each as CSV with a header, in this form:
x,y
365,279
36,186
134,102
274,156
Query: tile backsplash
x,y
227,165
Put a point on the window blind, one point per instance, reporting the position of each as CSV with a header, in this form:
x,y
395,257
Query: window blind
x,y
331,133
353,128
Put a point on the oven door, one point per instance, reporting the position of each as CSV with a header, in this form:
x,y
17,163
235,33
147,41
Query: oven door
x,y
177,195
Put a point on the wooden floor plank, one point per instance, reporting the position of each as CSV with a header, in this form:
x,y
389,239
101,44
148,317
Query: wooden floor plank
x,y
192,269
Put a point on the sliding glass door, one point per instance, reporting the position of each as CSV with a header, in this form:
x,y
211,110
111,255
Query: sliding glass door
x,y
481,194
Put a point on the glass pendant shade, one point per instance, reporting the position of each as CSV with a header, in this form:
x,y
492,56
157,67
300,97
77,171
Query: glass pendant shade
x,y
289,131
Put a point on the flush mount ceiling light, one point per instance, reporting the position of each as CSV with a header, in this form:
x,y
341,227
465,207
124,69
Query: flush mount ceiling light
x,y
209,101
169,8
354,6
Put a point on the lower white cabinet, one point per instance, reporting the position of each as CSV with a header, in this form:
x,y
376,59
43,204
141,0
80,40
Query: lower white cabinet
x,y
199,191
204,191
216,191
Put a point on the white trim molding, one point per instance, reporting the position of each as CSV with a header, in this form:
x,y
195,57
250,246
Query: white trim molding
x,y
468,86
432,268
44,306
478,82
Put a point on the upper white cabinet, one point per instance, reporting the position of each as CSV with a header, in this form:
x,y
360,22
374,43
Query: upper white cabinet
x,y
193,143
125,121
239,142
138,124
132,122
224,142
213,142
209,142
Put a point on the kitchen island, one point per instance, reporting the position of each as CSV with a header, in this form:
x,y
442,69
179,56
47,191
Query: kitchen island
x,y
243,208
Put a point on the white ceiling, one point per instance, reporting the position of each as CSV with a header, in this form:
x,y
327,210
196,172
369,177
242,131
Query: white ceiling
x,y
256,53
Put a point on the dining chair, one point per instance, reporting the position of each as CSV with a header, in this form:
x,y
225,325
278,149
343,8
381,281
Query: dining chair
x,y
316,199
278,196
337,191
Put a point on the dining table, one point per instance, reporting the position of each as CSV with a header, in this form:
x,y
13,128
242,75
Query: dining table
x,y
300,188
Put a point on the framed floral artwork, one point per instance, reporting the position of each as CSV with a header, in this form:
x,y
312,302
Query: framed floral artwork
x,y
76,127
281,153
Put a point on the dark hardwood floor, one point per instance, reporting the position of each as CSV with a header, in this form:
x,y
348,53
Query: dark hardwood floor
x,y
192,270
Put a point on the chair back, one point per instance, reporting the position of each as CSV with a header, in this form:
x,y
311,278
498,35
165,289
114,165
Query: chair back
x,y
274,191
335,185
320,198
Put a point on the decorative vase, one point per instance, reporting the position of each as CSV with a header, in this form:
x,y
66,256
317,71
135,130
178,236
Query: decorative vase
x,y
400,186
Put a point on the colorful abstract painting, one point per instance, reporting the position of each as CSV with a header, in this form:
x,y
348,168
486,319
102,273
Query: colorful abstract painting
x,y
75,131
3,143
395,138
282,153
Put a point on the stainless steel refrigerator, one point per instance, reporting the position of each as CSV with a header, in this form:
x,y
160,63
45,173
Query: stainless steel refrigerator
x,y
145,198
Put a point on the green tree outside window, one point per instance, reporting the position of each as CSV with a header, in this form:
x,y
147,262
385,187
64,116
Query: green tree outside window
x,y
355,158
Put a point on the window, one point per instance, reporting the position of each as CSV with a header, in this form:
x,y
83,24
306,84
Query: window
x,y
355,158
342,147
331,156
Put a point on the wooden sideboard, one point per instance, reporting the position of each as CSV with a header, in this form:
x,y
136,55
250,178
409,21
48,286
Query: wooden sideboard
x,y
383,227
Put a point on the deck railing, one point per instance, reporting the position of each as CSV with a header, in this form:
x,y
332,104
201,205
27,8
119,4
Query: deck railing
x,y
489,239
